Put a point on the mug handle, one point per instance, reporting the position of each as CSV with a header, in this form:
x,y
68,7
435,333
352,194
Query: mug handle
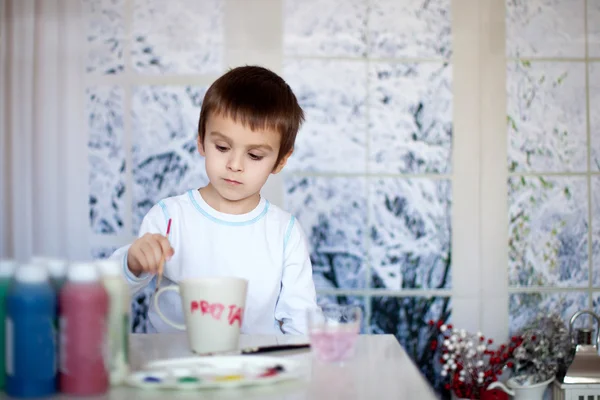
x,y
173,288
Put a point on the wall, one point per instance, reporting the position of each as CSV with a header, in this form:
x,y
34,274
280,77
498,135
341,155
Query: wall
x,y
4,173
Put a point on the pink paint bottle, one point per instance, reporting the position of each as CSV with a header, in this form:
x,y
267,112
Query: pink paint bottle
x,y
83,345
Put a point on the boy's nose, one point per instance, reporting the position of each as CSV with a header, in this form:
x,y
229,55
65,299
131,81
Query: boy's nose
x,y
235,163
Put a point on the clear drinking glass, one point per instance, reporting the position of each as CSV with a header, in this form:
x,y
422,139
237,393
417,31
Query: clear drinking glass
x,y
333,330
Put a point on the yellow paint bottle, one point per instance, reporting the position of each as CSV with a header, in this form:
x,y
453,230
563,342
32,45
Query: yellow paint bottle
x,y
118,320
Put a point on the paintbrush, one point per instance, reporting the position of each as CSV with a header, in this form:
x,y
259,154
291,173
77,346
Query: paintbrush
x,y
279,347
161,265
260,349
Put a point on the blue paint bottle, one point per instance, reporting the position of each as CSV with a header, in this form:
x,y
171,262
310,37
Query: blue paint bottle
x,y
30,334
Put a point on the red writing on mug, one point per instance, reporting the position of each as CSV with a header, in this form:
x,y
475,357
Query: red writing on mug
x,y
215,310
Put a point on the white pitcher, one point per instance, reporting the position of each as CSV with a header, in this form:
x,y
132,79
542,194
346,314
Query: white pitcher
x,y
522,392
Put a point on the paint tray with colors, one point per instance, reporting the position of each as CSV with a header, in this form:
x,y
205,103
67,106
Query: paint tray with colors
x,y
195,373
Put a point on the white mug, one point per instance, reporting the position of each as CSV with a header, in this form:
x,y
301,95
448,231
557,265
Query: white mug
x,y
213,309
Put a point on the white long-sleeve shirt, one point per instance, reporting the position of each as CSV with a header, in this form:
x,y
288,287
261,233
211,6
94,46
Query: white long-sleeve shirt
x,y
265,246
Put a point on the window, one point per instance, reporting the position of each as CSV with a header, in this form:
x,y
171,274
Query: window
x,y
553,88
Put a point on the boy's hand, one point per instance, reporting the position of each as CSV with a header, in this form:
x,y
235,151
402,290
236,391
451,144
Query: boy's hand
x,y
145,253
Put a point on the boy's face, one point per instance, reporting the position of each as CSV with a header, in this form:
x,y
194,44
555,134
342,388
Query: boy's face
x,y
238,160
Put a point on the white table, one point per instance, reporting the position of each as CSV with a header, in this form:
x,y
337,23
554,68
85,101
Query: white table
x,y
381,369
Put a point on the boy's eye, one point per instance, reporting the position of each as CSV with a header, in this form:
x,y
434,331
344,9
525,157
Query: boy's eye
x,y
221,148
255,157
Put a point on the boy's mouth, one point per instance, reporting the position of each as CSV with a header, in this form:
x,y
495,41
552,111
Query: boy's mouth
x,y
232,182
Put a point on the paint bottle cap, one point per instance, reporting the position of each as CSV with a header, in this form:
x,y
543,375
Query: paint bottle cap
x,y
82,273
31,273
109,267
56,266
7,268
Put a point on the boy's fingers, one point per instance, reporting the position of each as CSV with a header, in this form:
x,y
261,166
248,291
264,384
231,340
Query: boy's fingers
x,y
145,255
167,250
152,256
157,252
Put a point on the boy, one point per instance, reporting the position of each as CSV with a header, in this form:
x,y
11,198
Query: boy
x,y
248,124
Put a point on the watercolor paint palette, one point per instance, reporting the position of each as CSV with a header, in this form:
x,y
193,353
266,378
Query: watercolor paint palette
x,y
217,372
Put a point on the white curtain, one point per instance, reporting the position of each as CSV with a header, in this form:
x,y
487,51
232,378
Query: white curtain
x,y
43,146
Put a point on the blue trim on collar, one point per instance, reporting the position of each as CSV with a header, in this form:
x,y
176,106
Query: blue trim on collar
x,y
166,214
288,232
223,222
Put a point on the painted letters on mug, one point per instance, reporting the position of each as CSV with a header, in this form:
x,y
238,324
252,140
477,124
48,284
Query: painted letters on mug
x,y
216,311
235,314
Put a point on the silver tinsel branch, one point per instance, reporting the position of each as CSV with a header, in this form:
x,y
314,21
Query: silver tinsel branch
x,y
545,351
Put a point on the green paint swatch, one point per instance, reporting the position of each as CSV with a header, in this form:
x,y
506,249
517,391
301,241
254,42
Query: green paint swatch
x,y
188,379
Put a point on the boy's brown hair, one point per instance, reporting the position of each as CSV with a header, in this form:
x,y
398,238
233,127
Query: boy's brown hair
x,y
257,98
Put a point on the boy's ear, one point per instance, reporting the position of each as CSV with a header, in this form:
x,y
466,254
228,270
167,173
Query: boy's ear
x,y
200,147
282,163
